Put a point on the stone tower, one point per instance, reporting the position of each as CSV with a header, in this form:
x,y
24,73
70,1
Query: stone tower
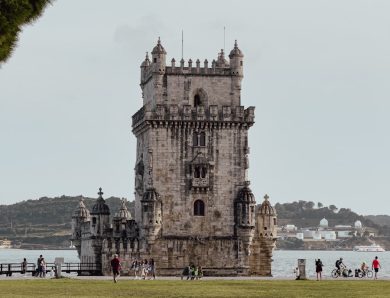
x,y
193,204
192,196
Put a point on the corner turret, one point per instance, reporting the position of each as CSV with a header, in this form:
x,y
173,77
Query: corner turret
x,y
236,61
266,219
100,216
151,214
144,69
236,67
244,211
120,219
80,216
264,240
158,58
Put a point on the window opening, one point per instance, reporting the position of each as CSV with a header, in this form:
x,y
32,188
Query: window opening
x,y
199,208
197,172
197,100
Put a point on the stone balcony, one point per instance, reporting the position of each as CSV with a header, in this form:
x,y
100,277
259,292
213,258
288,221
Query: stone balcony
x,y
212,113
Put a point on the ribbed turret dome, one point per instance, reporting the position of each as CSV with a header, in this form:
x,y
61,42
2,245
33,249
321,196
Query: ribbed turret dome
x,y
151,195
100,206
81,211
266,207
236,52
245,195
159,49
123,212
146,62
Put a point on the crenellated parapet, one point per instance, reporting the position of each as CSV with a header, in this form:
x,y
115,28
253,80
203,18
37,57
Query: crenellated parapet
x,y
164,113
217,67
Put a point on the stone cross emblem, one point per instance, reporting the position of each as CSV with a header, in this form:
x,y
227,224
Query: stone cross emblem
x,y
266,197
100,193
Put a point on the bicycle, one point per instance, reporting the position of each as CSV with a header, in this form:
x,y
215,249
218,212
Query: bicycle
x,y
344,272
365,273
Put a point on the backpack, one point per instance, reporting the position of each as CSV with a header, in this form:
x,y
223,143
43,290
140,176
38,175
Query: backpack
x,y
337,263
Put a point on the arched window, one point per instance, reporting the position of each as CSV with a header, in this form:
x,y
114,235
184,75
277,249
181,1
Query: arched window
x,y
197,172
197,100
202,137
199,208
195,139
203,172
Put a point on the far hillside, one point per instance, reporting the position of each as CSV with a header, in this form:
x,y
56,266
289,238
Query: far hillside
x,y
308,214
383,220
46,221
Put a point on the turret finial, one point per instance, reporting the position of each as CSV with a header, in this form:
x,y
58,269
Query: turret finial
x,y
235,44
266,197
100,193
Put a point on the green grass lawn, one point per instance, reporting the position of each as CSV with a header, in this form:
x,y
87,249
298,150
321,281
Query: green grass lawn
x,y
211,288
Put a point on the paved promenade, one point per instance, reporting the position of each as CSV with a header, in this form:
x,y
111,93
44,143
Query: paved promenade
x,y
207,278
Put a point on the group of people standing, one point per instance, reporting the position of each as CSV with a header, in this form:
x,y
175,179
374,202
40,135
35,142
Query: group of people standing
x,y
146,269
143,269
41,267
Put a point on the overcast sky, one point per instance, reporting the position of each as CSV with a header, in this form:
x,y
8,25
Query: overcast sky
x,y
317,72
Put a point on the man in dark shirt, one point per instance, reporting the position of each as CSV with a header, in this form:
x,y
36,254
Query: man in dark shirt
x,y
115,265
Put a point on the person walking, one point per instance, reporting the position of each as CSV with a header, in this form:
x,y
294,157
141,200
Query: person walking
x,y
319,266
185,272
115,266
145,269
152,269
375,266
136,267
42,273
38,270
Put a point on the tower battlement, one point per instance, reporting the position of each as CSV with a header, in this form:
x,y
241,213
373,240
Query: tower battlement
x,y
160,81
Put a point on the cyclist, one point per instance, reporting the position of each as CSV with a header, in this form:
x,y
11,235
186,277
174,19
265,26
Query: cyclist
x,y
363,266
340,266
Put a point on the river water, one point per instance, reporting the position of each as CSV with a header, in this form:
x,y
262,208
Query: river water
x,y
282,267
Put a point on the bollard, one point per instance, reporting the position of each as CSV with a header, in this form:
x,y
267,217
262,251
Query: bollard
x,y
58,262
302,269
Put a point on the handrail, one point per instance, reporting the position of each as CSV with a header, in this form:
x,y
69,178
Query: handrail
x,y
9,268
